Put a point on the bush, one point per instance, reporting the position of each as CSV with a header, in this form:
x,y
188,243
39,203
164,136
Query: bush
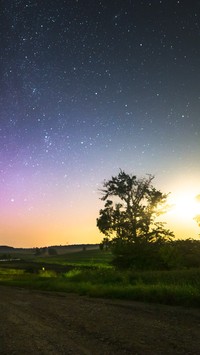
x,y
189,252
171,255
144,256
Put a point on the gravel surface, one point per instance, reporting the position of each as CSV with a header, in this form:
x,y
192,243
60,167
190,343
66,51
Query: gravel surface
x,y
34,322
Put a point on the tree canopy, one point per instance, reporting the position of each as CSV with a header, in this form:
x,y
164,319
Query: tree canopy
x,y
131,210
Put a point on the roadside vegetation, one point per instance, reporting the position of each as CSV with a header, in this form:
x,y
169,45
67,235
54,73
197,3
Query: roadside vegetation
x,y
173,287
138,259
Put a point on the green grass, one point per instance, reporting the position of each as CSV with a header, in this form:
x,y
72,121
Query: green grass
x,y
174,288
91,274
90,258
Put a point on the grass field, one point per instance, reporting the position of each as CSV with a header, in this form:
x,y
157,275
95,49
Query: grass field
x,y
87,258
90,273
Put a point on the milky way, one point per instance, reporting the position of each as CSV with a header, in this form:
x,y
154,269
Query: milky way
x,y
86,88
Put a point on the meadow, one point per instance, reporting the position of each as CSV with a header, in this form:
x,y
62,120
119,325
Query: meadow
x,y
89,272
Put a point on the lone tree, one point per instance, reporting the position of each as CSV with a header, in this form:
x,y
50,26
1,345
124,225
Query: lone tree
x,y
131,208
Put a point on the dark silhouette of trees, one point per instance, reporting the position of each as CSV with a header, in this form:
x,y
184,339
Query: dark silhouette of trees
x,y
129,218
105,244
181,253
197,218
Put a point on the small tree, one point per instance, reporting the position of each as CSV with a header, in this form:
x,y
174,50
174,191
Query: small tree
x,y
197,218
105,244
129,217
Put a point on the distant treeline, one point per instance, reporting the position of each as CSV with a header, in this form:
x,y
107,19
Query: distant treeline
x,y
62,249
47,250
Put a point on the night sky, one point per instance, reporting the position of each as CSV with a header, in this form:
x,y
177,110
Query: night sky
x,y
87,88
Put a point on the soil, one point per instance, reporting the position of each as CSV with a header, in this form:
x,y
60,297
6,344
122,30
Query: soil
x,y
34,322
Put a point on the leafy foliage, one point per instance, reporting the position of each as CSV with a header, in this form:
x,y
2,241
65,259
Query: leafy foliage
x,y
129,218
181,254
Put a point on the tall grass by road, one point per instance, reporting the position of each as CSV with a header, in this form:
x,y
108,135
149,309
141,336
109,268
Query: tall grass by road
x,y
177,287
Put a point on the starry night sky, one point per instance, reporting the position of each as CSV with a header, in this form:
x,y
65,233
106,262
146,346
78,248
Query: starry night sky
x,y
86,88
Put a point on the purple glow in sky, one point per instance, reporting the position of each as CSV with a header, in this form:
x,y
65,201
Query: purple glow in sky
x,y
86,88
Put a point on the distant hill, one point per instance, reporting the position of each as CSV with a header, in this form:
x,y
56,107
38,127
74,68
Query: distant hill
x,y
60,249
6,249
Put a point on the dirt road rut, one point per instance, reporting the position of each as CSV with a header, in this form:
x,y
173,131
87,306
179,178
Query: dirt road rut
x,y
33,322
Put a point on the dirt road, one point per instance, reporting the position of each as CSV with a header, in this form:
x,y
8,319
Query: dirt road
x,y
33,322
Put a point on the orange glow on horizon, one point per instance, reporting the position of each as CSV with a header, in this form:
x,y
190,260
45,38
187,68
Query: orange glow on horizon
x,y
61,222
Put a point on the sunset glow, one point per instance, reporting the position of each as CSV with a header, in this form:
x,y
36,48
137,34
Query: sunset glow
x,y
185,206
